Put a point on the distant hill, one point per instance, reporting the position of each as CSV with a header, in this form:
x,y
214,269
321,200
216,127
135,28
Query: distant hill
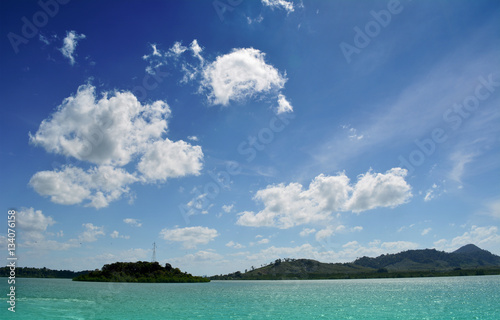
x,y
26,272
468,256
140,271
468,260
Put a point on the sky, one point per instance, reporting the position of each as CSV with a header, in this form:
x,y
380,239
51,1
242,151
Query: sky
x,y
231,133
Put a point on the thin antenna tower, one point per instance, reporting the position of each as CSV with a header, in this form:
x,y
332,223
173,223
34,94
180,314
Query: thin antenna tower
x,y
153,259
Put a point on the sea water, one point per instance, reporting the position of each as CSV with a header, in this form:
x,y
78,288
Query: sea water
x,y
415,298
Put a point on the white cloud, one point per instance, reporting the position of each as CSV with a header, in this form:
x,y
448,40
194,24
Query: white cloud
x,y
168,159
291,205
30,219
259,19
484,237
241,74
426,231
380,190
263,241
133,222
430,193
283,105
115,234
177,49
111,133
357,228
324,233
69,45
307,231
280,4
235,245
193,138
227,208
108,131
91,233
190,236
196,49
72,185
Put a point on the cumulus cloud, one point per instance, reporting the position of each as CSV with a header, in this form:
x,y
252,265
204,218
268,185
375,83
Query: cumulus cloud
x,y
71,185
235,245
280,4
227,208
234,77
484,237
69,45
91,233
238,75
189,236
109,132
133,222
30,219
380,190
168,159
289,205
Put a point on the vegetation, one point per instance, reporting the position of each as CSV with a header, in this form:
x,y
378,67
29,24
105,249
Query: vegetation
x,y
466,261
139,272
25,272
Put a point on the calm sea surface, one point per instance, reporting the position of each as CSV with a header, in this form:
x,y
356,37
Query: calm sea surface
x,y
417,298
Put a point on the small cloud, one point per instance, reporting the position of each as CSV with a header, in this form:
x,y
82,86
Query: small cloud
x,y
69,45
259,19
307,231
193,138
235,245
263,241
283,105
91,233
115,234
352,132
227,208
132,222
280,4
426,231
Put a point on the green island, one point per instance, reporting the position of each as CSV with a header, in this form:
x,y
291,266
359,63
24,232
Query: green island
x,y
468,260
140,271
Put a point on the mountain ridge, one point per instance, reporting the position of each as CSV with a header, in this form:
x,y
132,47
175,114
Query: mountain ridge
x,y
467,260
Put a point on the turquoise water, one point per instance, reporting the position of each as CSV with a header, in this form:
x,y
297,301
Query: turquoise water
x,y
417,298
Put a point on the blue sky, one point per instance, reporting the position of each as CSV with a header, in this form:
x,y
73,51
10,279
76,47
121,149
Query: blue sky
x,y
233,133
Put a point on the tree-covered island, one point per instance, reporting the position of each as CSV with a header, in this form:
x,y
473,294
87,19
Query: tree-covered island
x,y
140,271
